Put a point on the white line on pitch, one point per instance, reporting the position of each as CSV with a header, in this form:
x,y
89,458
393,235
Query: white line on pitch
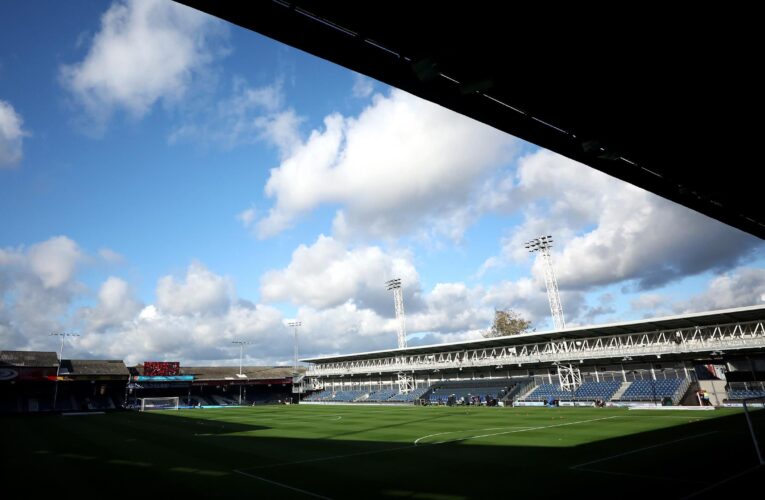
x,y
282,485
397,448
331,457
416,441
525,430
718,483
641,449
641,476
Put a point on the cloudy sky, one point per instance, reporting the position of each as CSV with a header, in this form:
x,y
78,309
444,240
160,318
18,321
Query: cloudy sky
x,y
170,183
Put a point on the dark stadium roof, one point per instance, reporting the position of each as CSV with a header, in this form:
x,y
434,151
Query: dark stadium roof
x,y
231,372
34,359
743,314
98,367
660,99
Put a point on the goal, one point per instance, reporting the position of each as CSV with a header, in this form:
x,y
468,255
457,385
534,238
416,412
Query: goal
x,y
159,403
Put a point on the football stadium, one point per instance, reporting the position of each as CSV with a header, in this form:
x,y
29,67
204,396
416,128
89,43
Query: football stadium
x,y
152,403
669,406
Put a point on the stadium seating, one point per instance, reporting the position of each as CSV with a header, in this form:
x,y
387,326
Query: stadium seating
x,y
655,390
745,394
543,392
640,390
413,395
591,391
320,396
349,396
443,393
383,395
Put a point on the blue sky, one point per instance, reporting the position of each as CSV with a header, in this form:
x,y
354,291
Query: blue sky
x,y
170,183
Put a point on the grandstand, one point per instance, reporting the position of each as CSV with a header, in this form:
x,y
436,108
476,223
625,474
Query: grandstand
x,y
660,361
29,381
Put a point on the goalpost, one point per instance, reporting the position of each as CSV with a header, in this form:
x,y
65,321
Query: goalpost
x,y
159,403
751,404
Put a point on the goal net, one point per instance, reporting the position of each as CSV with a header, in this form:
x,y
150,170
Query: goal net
x,y
159,403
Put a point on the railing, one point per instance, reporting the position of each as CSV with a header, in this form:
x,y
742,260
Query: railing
x,y
734,336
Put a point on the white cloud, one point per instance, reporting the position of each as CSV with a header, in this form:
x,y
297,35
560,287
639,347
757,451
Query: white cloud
x,y
608,231
201,292
54,261
327,274
528,297
362,86
110,256
343,328
281,129
247,116
145,51
116,304
649,302
744,286
452,308
37,287
154,334
343,287
247,217
11,135
338,291
404,164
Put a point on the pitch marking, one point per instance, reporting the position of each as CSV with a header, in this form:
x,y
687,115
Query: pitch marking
x,y
282,485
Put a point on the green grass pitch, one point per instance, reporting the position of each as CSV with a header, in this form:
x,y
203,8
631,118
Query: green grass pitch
x,y
437,453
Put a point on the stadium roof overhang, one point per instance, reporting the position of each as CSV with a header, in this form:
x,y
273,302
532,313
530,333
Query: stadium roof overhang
x,y
710,318
663,101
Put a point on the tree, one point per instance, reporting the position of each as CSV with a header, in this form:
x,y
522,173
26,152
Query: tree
x,y
507,322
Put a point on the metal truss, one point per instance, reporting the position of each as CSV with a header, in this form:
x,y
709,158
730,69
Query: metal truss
x,y
405,383
398,303
732,336
543,244
569,376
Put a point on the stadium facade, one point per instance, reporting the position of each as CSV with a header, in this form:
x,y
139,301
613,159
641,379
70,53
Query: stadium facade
x,y
34,381
670,360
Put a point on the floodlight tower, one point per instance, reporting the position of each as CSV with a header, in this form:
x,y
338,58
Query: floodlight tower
x,y
543,244
63,336
295,324
405,381
398,301
241,343
569,376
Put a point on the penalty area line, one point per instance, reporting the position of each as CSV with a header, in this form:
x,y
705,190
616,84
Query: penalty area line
x,y
282,485
718,483
578,466
417,441
527,429
411,446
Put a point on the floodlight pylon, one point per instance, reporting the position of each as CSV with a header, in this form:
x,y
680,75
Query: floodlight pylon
x,y
405,380
543,244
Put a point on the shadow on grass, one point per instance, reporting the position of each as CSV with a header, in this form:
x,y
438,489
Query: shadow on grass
x,y
130,453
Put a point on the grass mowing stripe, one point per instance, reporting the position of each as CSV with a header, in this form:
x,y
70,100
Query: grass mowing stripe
x,y
525,430
642,449
373,452
348,457
332,457
416,441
